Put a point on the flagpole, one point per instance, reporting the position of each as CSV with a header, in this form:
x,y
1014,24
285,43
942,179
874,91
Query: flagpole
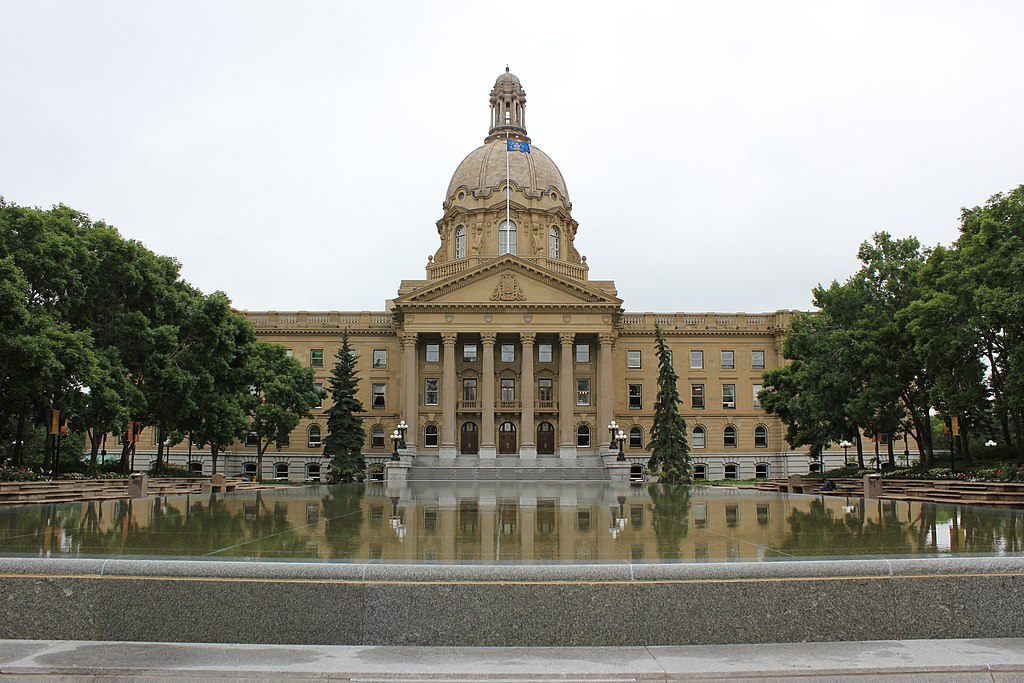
x,y
507,186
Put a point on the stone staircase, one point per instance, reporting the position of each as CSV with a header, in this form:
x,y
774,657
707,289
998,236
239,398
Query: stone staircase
x,y
506,468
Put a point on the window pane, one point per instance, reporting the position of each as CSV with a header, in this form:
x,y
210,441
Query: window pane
x,y
554,246
430,436
380,358
543,353
757,360
583,353
635,396
377,395
729,436
431,391
636,438
433,353
583,392
377,438
508,353
545,390
696,360
508,389
697,396
729,396
757,388
469,353
698,437
506,238
316,358
460,242
728,360
583,436
469,390
632,359
320,401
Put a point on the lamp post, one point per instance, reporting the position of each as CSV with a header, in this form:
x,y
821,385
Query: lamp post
x,y
906,450
612,428
990,443
620,436
402,429
845,445
396,438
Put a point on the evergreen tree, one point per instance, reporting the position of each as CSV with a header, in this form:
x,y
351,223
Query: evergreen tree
x,y
345,435
670,453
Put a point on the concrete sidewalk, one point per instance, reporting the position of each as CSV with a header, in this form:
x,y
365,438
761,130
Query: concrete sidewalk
x,y
910,660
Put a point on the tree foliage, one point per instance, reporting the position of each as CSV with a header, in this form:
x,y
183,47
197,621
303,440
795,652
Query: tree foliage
x,y
670,453
345,434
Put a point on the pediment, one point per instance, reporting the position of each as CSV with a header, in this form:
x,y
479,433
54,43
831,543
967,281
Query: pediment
x,y
508,280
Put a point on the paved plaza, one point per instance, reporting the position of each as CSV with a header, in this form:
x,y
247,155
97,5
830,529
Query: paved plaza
x,y
963,661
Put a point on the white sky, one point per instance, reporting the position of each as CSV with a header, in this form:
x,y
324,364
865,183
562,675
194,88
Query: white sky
x,y
296,154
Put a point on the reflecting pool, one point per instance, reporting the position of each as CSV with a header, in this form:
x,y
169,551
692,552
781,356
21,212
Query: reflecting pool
x,y
507,522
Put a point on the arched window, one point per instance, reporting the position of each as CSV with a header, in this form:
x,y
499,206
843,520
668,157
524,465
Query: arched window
x,y
281,470
732,471
814,468
729,437
313,436
760,437
430,436
554,243
636,437
313,471
699,437
195,466
583,435
377,437
762,470
460,242
506,238
700,471
249,469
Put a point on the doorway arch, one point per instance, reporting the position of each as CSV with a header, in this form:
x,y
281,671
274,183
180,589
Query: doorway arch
x,y
507,439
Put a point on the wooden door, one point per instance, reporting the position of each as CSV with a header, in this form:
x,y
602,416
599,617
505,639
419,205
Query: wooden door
x,y
545,439
507,439
470,442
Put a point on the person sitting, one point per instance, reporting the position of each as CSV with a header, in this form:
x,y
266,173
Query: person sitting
x,y
829,485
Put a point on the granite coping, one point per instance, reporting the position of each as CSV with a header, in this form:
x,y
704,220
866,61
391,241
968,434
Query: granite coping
x,y
516,573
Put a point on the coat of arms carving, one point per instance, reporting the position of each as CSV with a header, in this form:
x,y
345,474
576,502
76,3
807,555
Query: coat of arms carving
x,y
508,289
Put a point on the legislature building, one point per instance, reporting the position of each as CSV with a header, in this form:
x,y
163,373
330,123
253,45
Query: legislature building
x,y
506,349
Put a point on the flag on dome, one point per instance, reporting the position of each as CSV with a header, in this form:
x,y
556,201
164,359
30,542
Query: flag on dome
x,y
516,146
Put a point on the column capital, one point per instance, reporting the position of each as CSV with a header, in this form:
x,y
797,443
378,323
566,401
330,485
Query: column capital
x,y
567,338
488,338
527,338
607,339
407,339
448,338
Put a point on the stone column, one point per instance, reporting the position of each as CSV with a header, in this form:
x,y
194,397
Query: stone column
x,y
566,397
528,440
487,447
605,392
410,386
448,394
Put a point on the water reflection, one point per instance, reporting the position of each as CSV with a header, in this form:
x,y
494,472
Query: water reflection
x,y
507,522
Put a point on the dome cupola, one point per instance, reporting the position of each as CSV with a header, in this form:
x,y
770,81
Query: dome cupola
x,y
508,109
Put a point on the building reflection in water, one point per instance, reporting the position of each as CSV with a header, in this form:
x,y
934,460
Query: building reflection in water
x,y
559,522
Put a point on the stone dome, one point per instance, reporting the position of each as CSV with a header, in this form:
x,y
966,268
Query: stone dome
x,y
483,172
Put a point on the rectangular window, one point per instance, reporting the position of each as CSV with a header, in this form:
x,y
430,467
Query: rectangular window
x,y
583,353
377,399
696,360
545,391
668,357
251,441
316,358
583,391
319,390
289,352
636,438
729,396
508,353
757,389
543,353
380,358
469,389
728,360
377,438
697,396
632,359
433,353
508,389
469,353
431,391
636,392
757,360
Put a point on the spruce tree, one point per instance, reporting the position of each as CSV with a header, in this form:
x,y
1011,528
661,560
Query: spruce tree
x,y
670,454
345,435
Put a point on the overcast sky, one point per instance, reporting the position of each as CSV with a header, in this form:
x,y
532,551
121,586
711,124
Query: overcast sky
x,y
720,156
